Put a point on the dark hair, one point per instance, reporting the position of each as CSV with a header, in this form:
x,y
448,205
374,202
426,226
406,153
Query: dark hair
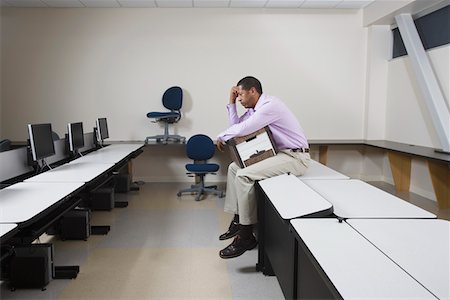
x,y
248,82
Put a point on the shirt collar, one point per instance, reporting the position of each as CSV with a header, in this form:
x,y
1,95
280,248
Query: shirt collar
x,y
261,101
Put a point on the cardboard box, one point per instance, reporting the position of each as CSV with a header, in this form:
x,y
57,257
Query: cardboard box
x,y
250,149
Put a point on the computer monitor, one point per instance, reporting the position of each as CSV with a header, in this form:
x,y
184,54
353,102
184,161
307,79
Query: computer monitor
x,y
75,136
41,141
102,129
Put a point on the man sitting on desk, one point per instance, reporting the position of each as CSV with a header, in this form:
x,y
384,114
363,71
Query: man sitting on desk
x,y
293,157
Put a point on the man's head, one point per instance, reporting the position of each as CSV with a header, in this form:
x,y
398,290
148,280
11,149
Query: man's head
x,y
249,90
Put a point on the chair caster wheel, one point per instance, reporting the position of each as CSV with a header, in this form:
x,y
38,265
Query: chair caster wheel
x,y
179,194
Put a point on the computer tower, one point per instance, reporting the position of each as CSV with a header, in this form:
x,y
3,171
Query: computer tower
x,y
102,199
32,266
123,183
76,224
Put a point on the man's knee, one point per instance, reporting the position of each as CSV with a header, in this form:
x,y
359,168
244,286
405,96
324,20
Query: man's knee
x,y
233,168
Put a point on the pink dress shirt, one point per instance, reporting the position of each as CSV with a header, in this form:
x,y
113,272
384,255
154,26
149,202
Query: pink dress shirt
x,y
286,130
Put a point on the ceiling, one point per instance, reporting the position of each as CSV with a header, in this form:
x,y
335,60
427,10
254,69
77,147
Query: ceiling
x,y
314,4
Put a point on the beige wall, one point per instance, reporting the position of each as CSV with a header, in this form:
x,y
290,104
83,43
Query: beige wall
x,y
64,65
407,117
78,64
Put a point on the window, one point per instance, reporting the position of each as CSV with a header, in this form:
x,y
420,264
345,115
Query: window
x,y
433,29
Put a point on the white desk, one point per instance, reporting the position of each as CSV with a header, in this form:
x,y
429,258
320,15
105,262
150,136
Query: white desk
x,y
292,198
22,201
420,247
110,155
125,146
356,268
357,199
80,172
286,197
102,157
6,228
317,170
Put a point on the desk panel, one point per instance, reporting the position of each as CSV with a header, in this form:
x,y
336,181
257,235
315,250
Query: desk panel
x,y
111,154
81,172
354,267
124,147
356,199
292,198
22,201
420,247
5,229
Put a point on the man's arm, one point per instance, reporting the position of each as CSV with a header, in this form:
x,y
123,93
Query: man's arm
x,y
262,117
233,117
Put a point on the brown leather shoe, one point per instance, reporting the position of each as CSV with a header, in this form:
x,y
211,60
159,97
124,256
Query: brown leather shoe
x,y
232,231
238,247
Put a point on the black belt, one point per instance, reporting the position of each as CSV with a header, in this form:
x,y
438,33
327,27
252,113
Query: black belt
x,y
303,150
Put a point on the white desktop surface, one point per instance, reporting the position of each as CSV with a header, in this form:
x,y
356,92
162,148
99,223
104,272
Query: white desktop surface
x,y
81,172
420,247
291,197
108,157
356,199
22,201
124,147
317,170
111,154
357,269
5,228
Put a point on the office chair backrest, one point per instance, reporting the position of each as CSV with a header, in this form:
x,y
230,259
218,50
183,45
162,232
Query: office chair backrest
x,y
200,147
55,136
173,98
5,145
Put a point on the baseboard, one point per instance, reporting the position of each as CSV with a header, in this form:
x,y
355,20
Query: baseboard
x,y
212,179
219,179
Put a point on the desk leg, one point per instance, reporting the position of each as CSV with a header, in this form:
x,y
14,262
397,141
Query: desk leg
x,y
134,187
440,178
401,170
263,265
323,154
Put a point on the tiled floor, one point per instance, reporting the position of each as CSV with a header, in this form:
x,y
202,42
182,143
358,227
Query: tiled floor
x,y
159,247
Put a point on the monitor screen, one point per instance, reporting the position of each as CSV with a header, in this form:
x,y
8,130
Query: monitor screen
x,y
76,136
41,140
102,129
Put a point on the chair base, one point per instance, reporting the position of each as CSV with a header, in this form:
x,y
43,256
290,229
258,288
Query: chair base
x,y
164,139
201,189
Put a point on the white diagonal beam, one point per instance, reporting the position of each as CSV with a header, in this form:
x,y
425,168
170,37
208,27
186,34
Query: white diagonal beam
x,y
434,98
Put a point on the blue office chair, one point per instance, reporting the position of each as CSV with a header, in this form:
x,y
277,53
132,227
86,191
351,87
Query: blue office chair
x,y
55,136
173,100
5,145
200,148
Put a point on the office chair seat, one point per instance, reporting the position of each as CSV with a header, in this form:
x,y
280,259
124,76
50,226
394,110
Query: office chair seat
x,y
202,168
172,100
200,148
5,145
158,115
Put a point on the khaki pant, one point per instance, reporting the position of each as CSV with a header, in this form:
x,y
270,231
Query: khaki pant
x,y
240,196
